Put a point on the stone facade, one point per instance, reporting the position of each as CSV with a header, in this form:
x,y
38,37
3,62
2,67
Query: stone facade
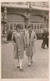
x,y
12,14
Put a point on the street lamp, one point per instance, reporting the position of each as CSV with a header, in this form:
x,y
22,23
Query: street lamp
x,y
4,20
27,15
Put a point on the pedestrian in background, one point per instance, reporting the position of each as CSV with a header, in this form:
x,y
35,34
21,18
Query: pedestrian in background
x,y
18,42
45,38
30,38
9,35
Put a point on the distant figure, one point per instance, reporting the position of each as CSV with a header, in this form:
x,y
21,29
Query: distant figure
x,y
45,38
18,42
9,35
42,30
30,38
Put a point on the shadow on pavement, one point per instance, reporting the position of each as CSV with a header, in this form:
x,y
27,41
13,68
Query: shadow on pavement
x,y
5,42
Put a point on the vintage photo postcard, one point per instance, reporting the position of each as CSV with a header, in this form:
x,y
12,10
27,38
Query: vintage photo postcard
x,y
24,40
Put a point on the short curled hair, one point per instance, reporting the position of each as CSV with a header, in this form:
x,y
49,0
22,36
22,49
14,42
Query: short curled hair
x,y
17,26
30,27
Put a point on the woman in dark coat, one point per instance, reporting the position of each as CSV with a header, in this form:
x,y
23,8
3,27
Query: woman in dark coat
x,y
45,36
9,35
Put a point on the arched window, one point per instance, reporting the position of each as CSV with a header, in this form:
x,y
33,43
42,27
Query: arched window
x,y
14,26
41,26
11,26
37,26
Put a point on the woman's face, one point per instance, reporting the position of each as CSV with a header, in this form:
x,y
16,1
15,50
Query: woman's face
x,y
30,29
18,29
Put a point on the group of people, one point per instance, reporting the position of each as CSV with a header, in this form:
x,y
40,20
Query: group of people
x,y
23,41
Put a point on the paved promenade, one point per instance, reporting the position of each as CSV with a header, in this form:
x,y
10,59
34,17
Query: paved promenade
x,y
38,69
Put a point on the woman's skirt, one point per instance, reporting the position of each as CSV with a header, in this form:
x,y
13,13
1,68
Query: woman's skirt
x,y
29,51
17,54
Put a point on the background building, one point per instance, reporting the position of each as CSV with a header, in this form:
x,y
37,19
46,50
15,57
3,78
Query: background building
x,y
35,13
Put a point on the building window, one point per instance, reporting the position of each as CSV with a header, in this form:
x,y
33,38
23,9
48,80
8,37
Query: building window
x,y
14,26
37,26
41,26
11,27
7,26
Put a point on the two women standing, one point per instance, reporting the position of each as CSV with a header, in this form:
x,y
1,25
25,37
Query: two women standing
x,y
22,42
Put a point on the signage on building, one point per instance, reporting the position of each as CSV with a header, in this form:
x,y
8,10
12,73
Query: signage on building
x,y
17,4
33,5
40,5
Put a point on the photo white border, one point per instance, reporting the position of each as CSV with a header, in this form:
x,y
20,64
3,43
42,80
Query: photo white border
x,y
34,79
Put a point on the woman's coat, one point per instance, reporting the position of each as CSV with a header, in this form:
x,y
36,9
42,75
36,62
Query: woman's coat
x,y
30,43
19,45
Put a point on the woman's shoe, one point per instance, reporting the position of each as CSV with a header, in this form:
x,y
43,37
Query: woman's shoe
x,y
21,69
31,61
18,67
29,64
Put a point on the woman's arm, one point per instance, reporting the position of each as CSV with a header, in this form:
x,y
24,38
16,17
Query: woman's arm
x,y
35,37
13,39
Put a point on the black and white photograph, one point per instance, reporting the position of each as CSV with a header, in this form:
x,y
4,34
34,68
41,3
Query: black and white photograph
x,y
25,40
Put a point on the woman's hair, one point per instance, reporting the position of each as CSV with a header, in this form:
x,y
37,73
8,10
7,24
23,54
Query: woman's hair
x,y
17,26
30,27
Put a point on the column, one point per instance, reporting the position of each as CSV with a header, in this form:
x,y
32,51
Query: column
x,y
13,25
26,23
47,23
26,19
5,19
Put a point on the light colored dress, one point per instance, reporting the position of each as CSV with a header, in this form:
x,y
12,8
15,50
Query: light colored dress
x,y
30,43
19,44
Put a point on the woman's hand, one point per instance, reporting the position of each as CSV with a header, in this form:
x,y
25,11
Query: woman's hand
x,y
13,43
19,50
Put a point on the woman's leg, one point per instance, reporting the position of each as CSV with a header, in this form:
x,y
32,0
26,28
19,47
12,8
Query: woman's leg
x,y
33,52
29,61
20,63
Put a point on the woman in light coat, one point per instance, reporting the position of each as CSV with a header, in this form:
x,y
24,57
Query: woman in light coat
x,y
18,42
30,38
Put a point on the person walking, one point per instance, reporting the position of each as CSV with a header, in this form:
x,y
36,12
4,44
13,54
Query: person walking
x,y
18,42
30,38
9,35
45,38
